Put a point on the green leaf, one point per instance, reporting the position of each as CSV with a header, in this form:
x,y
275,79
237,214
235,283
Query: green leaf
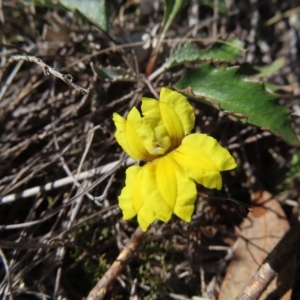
x,y
272,68
93,10
222,7
114,74
226,89
220,51
172,7
272,87
45,3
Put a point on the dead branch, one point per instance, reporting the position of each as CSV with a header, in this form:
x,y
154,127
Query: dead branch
x,y
67,78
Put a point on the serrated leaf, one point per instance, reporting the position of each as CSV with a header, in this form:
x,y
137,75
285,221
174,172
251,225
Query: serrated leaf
x,y
114,74
93,10
219,51
226,89
172,7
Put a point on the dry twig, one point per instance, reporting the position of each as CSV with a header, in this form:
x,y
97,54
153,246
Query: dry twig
x,y
63,181
100,290
67,78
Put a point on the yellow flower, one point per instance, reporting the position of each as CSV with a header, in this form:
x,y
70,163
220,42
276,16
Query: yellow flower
x,y
175,160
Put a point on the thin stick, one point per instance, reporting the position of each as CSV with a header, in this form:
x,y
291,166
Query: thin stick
x,y
101,288
253,32
2,20
63,181
8,275
67,78
10,79
215,23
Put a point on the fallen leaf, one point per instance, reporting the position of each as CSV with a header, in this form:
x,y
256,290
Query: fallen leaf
x,y
260,232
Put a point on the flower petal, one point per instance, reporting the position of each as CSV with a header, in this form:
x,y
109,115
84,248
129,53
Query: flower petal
x,y
181,106
126,198
178,191
171,118
128,137
151,193
131,200
201,158
153,116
